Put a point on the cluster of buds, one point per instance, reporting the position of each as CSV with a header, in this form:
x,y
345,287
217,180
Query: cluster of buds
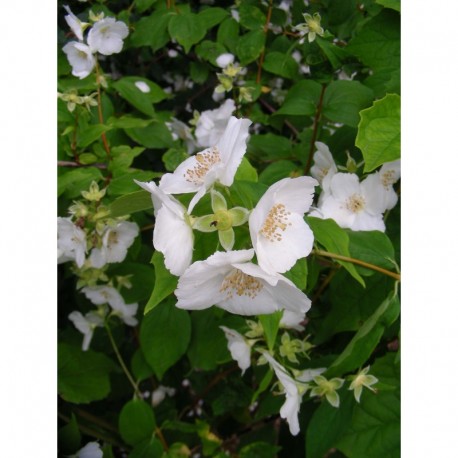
x,y
73,99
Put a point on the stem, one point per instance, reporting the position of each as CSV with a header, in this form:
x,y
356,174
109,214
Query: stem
x,y
315,130
272,110
323,285
266,29
73,144
99,109
326,254
76,164
121,362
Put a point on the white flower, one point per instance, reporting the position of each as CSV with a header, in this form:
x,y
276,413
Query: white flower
x,y
75,24
106,36
239,348
279,234
142,86
99,295
307,375
115,243
327,388
311,27
80,57
229,281
290,409
71,242
362,379
181,130
292,320
324,167
388,174
86,324
223,60
172,234
160,393
354,205
219,163
212,123
90,450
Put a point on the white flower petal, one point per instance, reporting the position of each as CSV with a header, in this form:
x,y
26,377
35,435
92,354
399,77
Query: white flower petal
x,y
344,185
223,60
240,350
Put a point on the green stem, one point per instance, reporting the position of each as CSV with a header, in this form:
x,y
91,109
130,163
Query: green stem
x,y
326,254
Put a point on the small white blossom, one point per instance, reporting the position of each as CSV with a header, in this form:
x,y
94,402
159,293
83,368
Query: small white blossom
x,y
292,320
239,348
86,324
311,27
384,180
180,130
160,393
230,281
307,375
279,234
354,205
75,24
217,164
107,35
327,388
80,57
362,379
115,243
71,242
90,450
212,124
172,234
223,60
324,167
142,86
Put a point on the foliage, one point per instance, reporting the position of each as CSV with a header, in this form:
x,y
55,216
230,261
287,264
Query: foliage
x,y
154,360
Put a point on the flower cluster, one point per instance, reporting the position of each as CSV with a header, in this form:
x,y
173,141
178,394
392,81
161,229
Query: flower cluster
x,y
91,239
105,36
354,204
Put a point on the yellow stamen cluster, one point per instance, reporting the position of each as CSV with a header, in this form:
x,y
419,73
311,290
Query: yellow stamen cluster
x,y
275,223
355,203
388,179
240,283
112,238
205,161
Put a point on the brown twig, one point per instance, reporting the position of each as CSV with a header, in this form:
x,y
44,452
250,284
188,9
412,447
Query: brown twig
x,y
99,110
266,29
77,164
324,285
272,110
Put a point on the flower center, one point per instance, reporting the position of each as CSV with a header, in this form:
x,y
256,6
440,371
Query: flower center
x,y
113,238
388,179
314,25
240,283
322,173
223,220
275,223
355,203
205,161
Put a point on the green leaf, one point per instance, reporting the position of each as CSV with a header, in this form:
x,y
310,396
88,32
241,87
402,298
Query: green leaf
x,y
379,132
140,368
259,450
334,53
173,157
69,437
72,182
122,157
343,100
164,336
208,347
298,273
83,376
212,16
329,234
87,158
131,203
366,339
209,51
199,72
246,172
270,324
90,134
140,100
251,17
269,146
228,34
188,29
247,193
373,247
136,421
125,184
128,122
165,283
140,276
150,448
276,171
250,46
155,136
281,64
152,30
302,99
328,425
263,385
393,4
143,5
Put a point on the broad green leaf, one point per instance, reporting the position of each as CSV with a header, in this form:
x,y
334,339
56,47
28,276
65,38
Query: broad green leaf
x,y
373,247
375,427
343,100
208,346
155,136
259,450
152,30
210,50
246,172
334,53
131,203
379,132
281,64
187,29
84,376
298,273
199,71
250,46
212,16
173,157
125,184
140,368
228,34
149,448
69,437
165,333
210,441
122,157
165,283
335,240
143,101
393,4
251,17
87,158
277,171
72,182
367,338
270,324
136,421
328,425
302,99
90,134
128,122
269,146
140,276
247,193
263,385
143,5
